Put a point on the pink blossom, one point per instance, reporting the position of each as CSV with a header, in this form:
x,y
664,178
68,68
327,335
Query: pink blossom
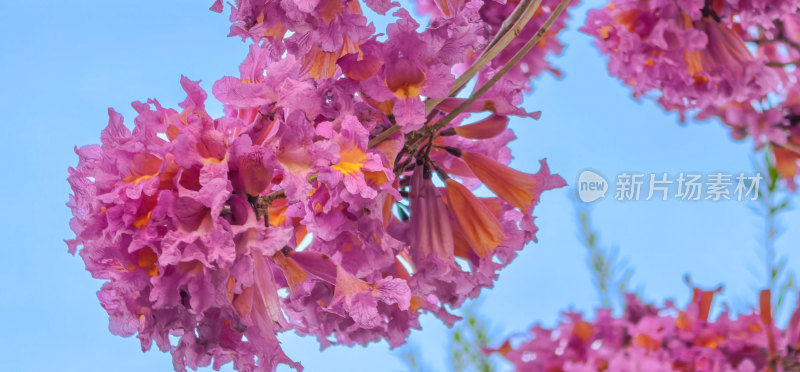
x,y
297,209
649,338
732,60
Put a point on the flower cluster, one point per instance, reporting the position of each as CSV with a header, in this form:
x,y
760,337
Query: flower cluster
x,y
312,203
735,60
668,339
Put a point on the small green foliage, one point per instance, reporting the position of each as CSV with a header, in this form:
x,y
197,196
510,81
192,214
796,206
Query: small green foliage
x,y
468,340
609,271
773,199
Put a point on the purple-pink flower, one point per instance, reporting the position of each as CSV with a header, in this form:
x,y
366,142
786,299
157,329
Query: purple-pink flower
x,y
731,60
668,338
309,204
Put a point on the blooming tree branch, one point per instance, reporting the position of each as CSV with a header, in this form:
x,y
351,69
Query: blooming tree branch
x,y
309,205
733,60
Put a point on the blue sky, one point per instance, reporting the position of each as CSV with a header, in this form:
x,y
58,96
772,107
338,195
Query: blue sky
x,y
65,62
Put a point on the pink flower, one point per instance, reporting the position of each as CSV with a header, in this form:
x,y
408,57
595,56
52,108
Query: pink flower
x,y
518,189
431,233
693,63
297,209
648,338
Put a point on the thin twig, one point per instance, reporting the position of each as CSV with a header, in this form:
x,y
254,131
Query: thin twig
x,y
508,31
783,64
782,35
278,194
506,68
508,24
375,141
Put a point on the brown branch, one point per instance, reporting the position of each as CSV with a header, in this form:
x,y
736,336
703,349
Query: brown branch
x,y
509,30
507,24
506,68
782,35
763,41
779,38
266,200
783,64
495,47
383,135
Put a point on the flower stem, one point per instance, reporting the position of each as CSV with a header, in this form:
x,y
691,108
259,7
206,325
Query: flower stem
x,y
510,29
375,141
506,68
530,7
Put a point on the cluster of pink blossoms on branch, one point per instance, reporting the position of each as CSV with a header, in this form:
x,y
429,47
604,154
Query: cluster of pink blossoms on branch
x,y
732,59
662,339
311,204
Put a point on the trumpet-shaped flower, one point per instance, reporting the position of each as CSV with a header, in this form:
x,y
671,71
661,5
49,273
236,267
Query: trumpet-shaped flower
x,y
520,189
